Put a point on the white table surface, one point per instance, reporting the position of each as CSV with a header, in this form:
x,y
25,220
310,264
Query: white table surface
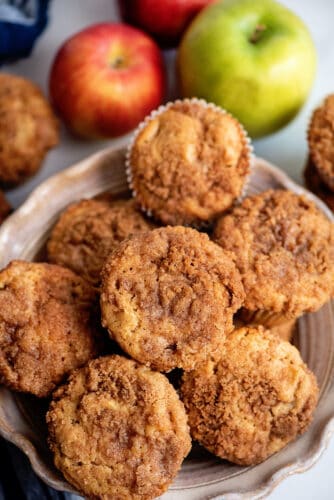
x,y
286,149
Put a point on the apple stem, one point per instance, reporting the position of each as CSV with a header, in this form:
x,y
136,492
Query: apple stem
x,y
257,33
117,63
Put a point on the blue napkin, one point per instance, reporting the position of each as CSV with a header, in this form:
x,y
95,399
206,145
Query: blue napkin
x,y
21,22
18,481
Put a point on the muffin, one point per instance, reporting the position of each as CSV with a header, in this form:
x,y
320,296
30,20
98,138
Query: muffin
x,y
28,129
118,430
188,163
321,141
5,207
284,249
168,297
314,183
48,326
251,402
88,230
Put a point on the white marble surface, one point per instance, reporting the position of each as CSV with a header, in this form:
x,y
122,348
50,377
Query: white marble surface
x,y
286,149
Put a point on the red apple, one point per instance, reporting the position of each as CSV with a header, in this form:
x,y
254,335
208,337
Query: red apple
x,y
165,20
106,79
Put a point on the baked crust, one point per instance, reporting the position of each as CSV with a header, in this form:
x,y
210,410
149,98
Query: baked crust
x,y
118,430
168,297
321,141
252,402
284,250
88,230
48,325
28,129
189,164
314,183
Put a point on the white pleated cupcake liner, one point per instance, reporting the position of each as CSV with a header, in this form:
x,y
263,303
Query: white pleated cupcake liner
x,y
266,318
161,109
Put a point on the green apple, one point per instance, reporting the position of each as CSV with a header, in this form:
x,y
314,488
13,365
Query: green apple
x,y
254,58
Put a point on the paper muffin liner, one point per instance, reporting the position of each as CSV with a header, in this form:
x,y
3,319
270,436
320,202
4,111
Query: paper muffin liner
x,y
264,317
323,174
314,183
284,331
161,109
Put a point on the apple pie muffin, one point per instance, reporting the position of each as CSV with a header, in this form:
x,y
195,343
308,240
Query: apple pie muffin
x,y
49,325
314,183
118,430
28,129
251,402
188,162
168,297
284,249
88,230
321,141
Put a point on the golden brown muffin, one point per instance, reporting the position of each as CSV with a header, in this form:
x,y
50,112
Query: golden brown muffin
x,y
28,129
48,325
314,183
189,163
252,402
168,297
284,250
5,207
321,141
88,230
118,430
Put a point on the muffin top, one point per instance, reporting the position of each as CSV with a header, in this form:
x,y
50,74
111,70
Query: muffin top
x,y
251,402
28,128
118,430
88,230
321,140
168,297
189,163
48,325
284,250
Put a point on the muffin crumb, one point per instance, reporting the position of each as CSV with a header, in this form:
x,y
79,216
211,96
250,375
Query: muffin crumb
x,y
48,325
28,129
168,297
118,430
88,230
189,163
251,402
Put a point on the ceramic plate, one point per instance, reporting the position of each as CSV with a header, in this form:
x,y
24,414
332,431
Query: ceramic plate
x,y
202,476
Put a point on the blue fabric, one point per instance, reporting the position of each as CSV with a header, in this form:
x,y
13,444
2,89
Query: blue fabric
x,y
21,22
17,479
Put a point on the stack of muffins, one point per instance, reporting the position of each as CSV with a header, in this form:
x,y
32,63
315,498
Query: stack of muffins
x,y
190,277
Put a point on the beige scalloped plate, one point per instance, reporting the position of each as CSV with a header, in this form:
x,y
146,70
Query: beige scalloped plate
x,y
202,477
